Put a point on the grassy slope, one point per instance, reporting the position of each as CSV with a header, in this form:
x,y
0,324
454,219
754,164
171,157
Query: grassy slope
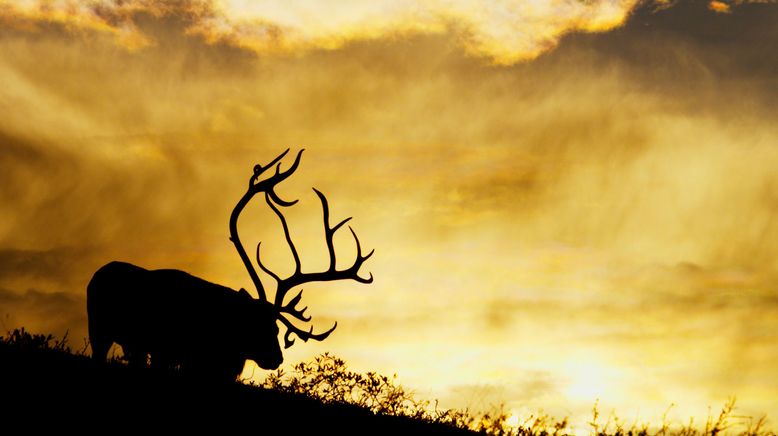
x,y
47,388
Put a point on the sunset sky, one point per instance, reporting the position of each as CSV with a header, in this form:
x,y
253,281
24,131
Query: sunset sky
x,y
569,200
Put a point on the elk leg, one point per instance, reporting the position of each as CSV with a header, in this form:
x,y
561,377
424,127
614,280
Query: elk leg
x,y
100,347
101,343
135,358
161,361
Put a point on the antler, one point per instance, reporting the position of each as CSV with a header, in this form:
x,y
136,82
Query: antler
x,y
298,277
256,186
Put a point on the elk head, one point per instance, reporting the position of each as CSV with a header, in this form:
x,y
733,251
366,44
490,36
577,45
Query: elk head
x,y
281,308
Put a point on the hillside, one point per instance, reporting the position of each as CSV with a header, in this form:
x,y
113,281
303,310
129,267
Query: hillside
x,y
44,386
49,387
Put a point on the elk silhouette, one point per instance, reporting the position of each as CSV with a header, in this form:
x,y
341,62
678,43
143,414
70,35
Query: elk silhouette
x,y
173,319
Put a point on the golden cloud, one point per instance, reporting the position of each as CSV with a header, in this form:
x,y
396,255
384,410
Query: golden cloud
x,y
719,7
503,31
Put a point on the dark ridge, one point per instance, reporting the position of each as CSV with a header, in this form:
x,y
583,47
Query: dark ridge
x,y
52,388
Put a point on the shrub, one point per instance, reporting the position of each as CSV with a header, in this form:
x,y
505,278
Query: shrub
x,y
328,379
24,340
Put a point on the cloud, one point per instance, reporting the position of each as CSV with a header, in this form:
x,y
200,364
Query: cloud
x,y
45,312
503,31
33,263
719,7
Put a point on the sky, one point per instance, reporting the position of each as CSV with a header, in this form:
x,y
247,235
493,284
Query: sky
x,y
569,200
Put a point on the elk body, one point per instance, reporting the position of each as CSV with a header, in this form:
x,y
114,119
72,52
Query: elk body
x,y
178,320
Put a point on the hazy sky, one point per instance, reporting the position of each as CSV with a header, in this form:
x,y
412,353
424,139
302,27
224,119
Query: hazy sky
x,y
569,200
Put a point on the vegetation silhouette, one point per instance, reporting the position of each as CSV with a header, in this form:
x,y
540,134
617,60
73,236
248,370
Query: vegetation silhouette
x,y
42,382
40,376
160,315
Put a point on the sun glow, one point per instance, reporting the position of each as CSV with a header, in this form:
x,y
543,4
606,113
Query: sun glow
x,y
590,380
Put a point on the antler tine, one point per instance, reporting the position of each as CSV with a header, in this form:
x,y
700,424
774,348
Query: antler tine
x,y
302,334
264,268
292,310
268,185
331,274
299,277
259,169
281,293
360,260
329,232
256,186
